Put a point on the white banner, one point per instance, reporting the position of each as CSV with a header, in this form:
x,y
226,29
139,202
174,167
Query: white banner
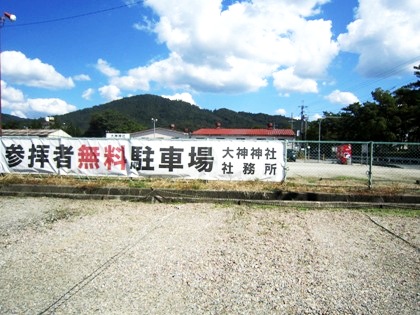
x,y
210,159
95,157
27,155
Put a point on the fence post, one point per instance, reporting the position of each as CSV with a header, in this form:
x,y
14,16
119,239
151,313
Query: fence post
x,y
285,150
285,142
370,164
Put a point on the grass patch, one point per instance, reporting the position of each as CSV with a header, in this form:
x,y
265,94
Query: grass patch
x,y
140,184
349,178
338,185
403,212
304,209
239,212
61,214
67,212
264,206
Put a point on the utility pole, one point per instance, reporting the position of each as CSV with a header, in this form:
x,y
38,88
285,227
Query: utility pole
x,y
291,127
291,121
3,18
302,119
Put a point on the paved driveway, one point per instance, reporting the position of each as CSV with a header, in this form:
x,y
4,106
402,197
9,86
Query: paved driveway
x,y
330,170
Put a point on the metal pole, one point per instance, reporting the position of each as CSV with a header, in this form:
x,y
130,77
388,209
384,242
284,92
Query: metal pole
x,y
154,127
285,168
3,18
1,123
319,140
370,164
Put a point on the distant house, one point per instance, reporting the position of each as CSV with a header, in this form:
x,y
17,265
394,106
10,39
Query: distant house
x,y
240,133
160,133
41,133
113,135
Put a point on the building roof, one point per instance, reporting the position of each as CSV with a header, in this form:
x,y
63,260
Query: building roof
x,y
244,132
34,133
159,132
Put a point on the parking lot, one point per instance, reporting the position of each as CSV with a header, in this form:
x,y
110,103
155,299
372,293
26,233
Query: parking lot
x,y
115,257
330,169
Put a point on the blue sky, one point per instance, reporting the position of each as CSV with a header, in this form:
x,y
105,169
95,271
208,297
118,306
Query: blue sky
x,y
259,56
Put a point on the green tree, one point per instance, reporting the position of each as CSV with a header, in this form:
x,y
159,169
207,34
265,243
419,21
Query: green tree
x,y
378,120
12,124
111,121
408,102
392,117
71,129
331,126
36,123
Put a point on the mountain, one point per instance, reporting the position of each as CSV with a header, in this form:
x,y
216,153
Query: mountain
x,y
142,108
14,122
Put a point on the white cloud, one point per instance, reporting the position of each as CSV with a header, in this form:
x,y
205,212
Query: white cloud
x,y
234,50
110,92
186,97
51,106
11,94
131,2
314,47
344,98
316,117
87,94
81,77
134,81
19,69
106,69
14,100
281,111
385,35
18,113
147,25
287,81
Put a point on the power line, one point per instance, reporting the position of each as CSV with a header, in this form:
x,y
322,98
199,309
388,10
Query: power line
x,y
387,73
382,75
77,16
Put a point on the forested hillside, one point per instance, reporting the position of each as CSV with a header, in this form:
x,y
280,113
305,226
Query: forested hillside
x,y
137,111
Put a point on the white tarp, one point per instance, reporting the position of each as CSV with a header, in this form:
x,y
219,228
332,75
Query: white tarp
x,y
210,159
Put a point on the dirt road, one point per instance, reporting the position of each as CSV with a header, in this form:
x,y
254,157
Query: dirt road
x,y
111,257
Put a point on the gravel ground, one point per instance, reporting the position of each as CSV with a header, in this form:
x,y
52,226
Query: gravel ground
x,y
110,257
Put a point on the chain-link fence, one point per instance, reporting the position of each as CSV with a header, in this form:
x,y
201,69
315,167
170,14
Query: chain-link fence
x,y
366,163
